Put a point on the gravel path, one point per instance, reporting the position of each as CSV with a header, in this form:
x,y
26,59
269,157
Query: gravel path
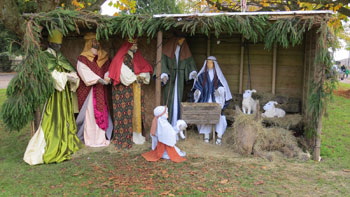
x,y
5,79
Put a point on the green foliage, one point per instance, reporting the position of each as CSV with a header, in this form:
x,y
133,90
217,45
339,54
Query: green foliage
x,y
321,91
9,45
29,89
287,31
156,7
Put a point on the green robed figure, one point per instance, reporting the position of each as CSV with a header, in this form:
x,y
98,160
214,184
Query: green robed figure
x,y
178,66
55,140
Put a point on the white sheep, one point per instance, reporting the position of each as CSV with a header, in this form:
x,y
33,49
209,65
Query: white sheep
x,y
271,111
180,127
248,103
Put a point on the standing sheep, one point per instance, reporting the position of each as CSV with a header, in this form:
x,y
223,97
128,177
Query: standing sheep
x,y
248,103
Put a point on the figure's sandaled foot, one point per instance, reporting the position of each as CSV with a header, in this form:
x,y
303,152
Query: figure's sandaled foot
x,y
218,141
206,140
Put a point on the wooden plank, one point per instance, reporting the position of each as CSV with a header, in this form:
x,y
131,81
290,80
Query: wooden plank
x,y
241,67
208,45
305,73
200,113
319,78
274,59
158,63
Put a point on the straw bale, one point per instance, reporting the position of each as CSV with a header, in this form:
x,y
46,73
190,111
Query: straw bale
x,y
248,136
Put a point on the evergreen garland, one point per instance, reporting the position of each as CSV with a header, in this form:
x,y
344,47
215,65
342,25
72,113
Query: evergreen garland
x,y
33,84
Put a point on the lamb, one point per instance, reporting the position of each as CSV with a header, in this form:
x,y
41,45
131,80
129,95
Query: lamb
x,y
248,103
180,127
271,111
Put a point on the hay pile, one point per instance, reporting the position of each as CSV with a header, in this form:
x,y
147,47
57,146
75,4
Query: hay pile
x,y
289,122
248,136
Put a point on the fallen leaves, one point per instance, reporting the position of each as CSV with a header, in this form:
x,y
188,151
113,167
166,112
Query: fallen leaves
x,y
259,183
224,181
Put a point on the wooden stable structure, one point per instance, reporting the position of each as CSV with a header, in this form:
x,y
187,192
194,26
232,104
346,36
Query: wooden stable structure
x,y
288,72
237,40
278,71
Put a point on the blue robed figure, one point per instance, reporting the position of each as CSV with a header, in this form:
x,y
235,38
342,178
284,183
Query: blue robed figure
x,y
211,86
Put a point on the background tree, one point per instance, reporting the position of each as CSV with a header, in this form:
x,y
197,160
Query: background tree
x,y
156,7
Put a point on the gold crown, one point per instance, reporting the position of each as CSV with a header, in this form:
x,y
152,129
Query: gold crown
x,y
55,37
132,40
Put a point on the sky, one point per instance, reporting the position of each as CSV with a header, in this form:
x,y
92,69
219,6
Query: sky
x,y
341,53
108,10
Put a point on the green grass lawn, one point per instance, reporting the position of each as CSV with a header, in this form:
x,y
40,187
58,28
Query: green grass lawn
x,y
335,140
126,173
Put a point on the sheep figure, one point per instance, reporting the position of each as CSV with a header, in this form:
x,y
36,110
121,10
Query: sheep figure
x,y
248,103
271,111
181,126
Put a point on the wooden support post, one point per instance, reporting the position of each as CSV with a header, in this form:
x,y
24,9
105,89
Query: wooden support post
x,y
159,65
241,67
306,58
32,128
319,76
213,128
274,65
37,118
317,149
34,125
208,45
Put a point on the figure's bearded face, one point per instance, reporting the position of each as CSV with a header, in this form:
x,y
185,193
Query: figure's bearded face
x,y
210,64
133,48
55,46
181,41
95,44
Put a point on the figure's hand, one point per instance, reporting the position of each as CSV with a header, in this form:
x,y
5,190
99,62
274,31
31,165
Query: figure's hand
x,y
72,79
139,79
108,80
195,76
102,81
197,94
216,93
164,80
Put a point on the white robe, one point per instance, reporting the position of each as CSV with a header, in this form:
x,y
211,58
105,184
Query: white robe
x,y
165,134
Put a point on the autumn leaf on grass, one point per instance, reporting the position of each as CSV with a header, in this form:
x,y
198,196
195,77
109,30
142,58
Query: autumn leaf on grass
x,y
224,181
165,193
149,188
251,166
259,183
